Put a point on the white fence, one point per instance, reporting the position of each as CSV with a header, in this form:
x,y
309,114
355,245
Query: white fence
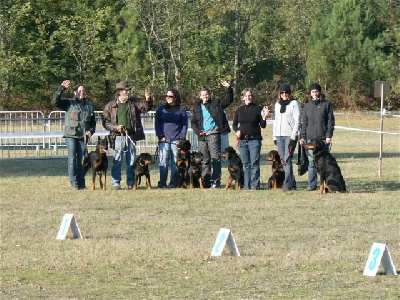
x,y
31,134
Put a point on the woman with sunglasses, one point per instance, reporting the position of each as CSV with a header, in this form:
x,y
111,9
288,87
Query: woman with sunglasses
x,y
285,131
171,124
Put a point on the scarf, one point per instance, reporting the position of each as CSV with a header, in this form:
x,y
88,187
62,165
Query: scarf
x,y
283,105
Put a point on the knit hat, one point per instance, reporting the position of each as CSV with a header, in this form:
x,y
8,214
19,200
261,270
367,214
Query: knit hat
x,y
315,86
284,87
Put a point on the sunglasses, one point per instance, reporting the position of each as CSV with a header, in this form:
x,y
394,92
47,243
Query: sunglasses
x,y
285,93
169,96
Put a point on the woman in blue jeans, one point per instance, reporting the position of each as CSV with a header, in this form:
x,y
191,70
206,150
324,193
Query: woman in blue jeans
x,y
171,124
285,131
247,123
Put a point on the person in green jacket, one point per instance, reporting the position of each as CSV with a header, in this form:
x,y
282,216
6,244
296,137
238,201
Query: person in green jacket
x,y
80,123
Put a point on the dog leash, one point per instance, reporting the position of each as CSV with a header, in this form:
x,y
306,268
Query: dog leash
x,y
85,159
156,151
127,139
284,162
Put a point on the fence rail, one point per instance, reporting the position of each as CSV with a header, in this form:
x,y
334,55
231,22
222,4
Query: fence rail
x,y
31,134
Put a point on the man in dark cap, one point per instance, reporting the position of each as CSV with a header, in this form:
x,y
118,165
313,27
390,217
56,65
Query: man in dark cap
x,y
121,117
318,123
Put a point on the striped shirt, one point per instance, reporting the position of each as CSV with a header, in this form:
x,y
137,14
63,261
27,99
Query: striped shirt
x,y
208,121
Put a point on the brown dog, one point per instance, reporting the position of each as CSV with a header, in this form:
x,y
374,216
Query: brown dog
x,y
195,179
331,179
278,174
141,168
98,161
183,163
235,168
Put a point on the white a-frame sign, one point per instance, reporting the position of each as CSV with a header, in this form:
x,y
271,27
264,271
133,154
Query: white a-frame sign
x,y
69,222
379,254
224,236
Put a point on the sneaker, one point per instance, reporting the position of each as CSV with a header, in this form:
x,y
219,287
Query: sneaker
x,y
215,186
310,189
116,187
130,187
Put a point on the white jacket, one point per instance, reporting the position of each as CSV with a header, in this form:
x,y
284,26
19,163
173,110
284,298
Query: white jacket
x,y
288,123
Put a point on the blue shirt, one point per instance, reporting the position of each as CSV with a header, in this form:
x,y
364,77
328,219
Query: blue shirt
x,y
171,122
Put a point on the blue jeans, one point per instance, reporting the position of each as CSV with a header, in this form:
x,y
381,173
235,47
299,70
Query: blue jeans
x,y
250,155
211,150
76,172
123,148
286,158
168,155
312,172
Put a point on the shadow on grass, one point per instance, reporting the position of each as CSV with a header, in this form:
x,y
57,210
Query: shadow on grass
x,y
372,155
374,186
58,167
383,273
33,167
41,167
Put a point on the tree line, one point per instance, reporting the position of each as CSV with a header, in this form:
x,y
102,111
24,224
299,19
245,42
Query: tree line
x,y
345,45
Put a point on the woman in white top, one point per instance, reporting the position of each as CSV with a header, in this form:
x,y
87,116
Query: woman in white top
x,y
285,131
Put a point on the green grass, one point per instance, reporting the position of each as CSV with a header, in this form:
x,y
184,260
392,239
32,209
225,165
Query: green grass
x,y
157,244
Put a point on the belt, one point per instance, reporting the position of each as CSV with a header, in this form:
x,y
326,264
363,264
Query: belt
x,y
249,137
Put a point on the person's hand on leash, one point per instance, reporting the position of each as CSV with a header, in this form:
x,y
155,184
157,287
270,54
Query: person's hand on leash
x,y
292,144
121,128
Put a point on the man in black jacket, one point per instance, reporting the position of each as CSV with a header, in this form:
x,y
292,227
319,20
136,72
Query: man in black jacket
x,y
208,123
318,123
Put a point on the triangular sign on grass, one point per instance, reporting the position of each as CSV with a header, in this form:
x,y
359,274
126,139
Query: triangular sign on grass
x,y
379,254
224,236
69,221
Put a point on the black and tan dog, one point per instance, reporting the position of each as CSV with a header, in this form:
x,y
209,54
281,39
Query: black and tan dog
x,y
195,179
235,168
141,168
183,163
331,179
278,174
97,161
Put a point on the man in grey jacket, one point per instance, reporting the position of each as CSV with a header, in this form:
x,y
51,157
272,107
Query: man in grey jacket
x,y
318,123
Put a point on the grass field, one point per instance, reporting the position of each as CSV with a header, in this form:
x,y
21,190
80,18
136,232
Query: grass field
x,y
157,244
